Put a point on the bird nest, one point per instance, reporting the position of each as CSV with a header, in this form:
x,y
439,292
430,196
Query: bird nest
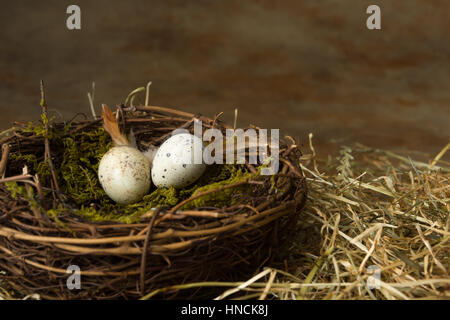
x,y
55,219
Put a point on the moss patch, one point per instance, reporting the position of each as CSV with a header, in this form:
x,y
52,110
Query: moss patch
x,y
76,164
81,157
214,177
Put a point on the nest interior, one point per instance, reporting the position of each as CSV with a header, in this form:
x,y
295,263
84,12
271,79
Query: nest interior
x,y
54,214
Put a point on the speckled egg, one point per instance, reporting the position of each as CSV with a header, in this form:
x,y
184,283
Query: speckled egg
x,y
124,173
175,162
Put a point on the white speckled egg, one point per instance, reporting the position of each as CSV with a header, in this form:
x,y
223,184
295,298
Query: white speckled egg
x,y
124,173
174,165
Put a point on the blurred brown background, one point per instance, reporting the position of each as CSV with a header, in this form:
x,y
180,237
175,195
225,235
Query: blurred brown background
x,y
301,66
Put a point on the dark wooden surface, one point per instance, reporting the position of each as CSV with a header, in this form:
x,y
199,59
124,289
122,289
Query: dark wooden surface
x,y
301,66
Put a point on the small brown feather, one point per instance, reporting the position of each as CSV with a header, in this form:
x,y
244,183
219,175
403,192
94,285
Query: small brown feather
x,y
112,127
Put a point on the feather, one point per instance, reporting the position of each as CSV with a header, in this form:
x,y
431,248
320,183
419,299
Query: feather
x,y
112,127
150,153
132,139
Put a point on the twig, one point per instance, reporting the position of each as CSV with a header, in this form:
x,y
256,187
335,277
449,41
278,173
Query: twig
x,y
145,248
147,92
48,156
91,101
4,159
16,178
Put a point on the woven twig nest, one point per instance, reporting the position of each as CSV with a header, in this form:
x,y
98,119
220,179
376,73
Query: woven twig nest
x,y
49,223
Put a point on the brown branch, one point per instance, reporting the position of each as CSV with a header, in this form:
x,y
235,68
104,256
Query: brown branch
x,y
64,271
22,177
170,233
291,166
47,155
171,111
4,159
145,248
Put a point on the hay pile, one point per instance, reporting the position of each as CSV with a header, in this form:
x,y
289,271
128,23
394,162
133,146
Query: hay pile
x,y
365,208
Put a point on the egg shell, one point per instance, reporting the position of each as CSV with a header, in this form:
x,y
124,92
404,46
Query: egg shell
x,y
124,173
173,164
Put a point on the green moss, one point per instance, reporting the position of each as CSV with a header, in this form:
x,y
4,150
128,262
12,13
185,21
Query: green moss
x,y
214,177
16,190
54,215
223,197
82,154
96,215
40,130
162,196
43,169
29,159
27,194
77,172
